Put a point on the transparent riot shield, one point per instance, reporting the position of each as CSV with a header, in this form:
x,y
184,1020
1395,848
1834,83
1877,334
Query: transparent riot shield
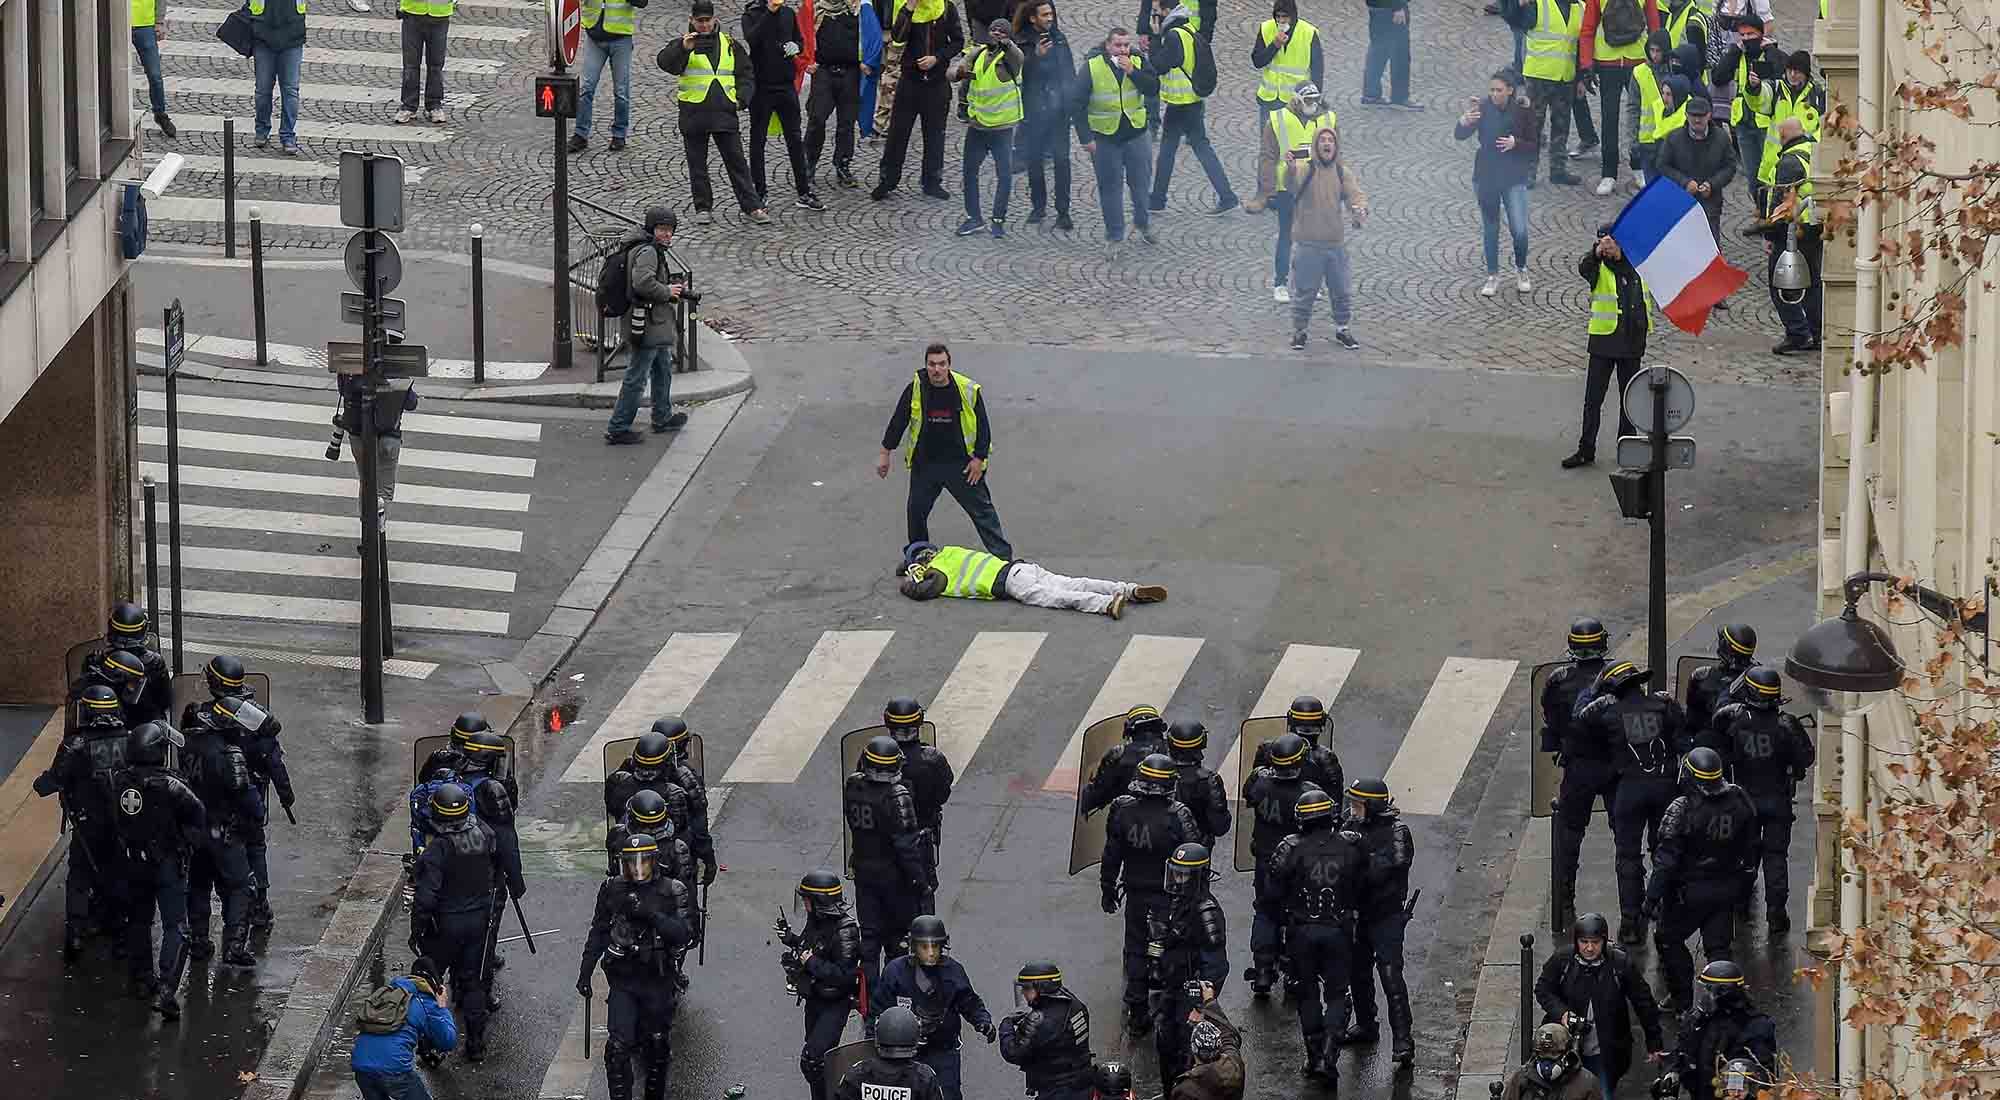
x,y
849,762
422,748
192,687
1547,775
1254,735
1684,670
74,657
616,753
1086,837
845,1057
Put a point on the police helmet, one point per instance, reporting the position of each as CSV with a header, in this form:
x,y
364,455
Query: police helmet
x,y
1724,981
676,732
100,708
224,674
1040,976
1187,739
882,759
1551,1041
1739,1076
1187,870
1155,778
905,718
818,890
466,725
1701,770
1312,809
1590,926
450,805
1113,1080
1736,643
125,671
1367,798
1306,717
928,939
1288,752
1587,639
652,750
1620,676
637,858
152,744
1759,687
127,623
1144,722
647,808
481,747
897,1034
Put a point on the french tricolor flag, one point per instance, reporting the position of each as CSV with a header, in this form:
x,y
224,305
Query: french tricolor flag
x,y
1665,234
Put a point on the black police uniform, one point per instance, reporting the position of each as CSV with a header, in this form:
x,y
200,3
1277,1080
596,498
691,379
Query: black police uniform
x,y
631,777
1769,752
879,1078
1589,771
1708,690
700,841
637,930
1646,734
834,938
676,861
220,775
133,696
1115,770
1321,767
929,776
81,774
493,799
941,996
157,700
1314,881
266,758
1271,799
1187,941
1050,1041
455,878
893,873
158,820
1708,1039
1378,934
1139,835
1202,792
1706,841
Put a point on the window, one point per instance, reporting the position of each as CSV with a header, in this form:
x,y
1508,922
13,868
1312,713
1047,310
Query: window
x,y
106,58
38,199
72,141
6,169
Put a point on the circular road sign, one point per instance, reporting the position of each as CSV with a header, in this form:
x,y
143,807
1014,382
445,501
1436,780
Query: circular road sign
x,y
1638,400
388,266
565,31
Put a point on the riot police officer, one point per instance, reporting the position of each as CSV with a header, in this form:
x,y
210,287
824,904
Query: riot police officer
x,y
1723,1027
126,629
1049,1034
1144,828
646,812
493,799
893,872
695,830
220,775
1769,752
925,770
1313,883
648,768
893,1070
1321,766
82,775
451,758
1187,947
935,987
1198,788
637,929
829,948
124,672
158,818
1589,770
1145,734
266,757
1707,838
1382,912
1735,653
1647,732
454,906
1271,793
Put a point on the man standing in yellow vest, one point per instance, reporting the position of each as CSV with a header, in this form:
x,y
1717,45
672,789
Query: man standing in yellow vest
x,y
992,78
1108,106
149,25
1550,68
940,422
609,28
1610,44
425,24
715,79
1178,52
1285,52
960,573
1798,96
1620,321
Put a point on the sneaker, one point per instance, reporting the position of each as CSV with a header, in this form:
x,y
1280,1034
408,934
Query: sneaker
x,y
1063,224
760,216
938,193
166,125
999,228
1281,293
673,423
844,178
1224,206
1146,234
262,142
1406,105
578,143
704,217
1605,185
626,436
616,145
291,150
405,116
1156,204
880,193
1117,607
437,119
1299,340
1149,593
1583,150
1374,100
1579,459
1521,281
970,226
810,201
1346,339
1490,287
1638,181
1037,216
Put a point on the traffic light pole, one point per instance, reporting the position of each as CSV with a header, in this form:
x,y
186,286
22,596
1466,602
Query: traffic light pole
x,y
371,530
560,355
1656,595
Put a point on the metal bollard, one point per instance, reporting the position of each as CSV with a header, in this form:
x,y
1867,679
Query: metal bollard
x,y
229,188
152,544
478,303
1527,996
257,281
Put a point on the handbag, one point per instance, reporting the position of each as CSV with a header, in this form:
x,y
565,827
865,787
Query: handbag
x,y
239,32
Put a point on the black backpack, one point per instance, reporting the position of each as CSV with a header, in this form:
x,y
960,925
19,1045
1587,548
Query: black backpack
x,y
1621,22
614,283
1201,70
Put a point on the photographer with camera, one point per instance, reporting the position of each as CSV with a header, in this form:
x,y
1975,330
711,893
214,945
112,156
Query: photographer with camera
x,y
822,964
1555,1073
936,988
1215,1051
650,335
1722,1027
1592,991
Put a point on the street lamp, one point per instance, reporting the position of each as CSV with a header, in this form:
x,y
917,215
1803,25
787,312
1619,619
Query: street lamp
x,y
1849,653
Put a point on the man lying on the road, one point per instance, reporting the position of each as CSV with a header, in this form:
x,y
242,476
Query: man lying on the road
x,y
930,571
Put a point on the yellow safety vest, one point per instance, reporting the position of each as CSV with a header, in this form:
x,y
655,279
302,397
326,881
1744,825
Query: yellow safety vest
x,y
701,73
991,100
1787,104
441,9
1806,213
1630,51
143,13
1177,83
1290,65
968,417
1651,106
1295,133
1604,303
1675,119
257,7
618,16
1758,114
1552,44
968,574
1695,14
1110,98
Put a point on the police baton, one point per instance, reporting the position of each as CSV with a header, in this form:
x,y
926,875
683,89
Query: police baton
x,y
525,934
701,949
586,1026
289,816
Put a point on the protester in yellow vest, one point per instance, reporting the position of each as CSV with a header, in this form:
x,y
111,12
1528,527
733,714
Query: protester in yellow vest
x,y
1610,44
1285,149
1285,52
715,79
1796,96
1108,107
992,79
1791,207
940,422
1177,50
1620,322
1648,84
425,26
609,29
1550,69
149,25
955,572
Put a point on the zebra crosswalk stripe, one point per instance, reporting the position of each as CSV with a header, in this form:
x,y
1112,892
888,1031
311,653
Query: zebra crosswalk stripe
x,y
808,707
224,560
457,427
320,55
1148,672
1445,732
384,132
978,687
386,95
668,685
412,458
1303,670
258,605
266,481
405,532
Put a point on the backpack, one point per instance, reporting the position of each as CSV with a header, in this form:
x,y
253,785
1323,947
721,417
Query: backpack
x,y
421,828
1621,22
385,1010
1201,69
614,283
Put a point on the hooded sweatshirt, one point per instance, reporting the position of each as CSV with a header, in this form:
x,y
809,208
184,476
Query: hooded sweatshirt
x,y
1045,78
1325,184
1261,52
766,33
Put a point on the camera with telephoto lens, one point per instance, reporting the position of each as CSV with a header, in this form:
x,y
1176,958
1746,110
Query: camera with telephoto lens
x,y
1192,990
1578,1026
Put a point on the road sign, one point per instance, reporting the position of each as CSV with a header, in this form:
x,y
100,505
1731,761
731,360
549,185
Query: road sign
x,y
398,360
354,307
1635,452
176,328
565,31
1638,399
361,173
388,266
555,96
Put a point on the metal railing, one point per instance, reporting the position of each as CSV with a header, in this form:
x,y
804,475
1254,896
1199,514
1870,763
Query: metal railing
x,y
606,335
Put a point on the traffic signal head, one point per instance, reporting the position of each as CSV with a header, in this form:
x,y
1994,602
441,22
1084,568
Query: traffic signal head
x,y
555,97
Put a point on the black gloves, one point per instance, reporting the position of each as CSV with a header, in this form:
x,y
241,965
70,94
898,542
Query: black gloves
x,y
1111,897
987,1029
708,869
583,984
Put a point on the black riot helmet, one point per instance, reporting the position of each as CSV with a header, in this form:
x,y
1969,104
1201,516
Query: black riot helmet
x,y
153,745
905,718
818,892
451,807
1187,740
1621,676
1112,1080
1307,718
1144,723
1187,871
1313,810
648,809
676,732
1736,644
99,709
1042,977
1759,687
1701,771
1155,778
1587,639
125,672
637,858
652,750
483,751
1288,752
1368,798
1722,984
897,1034
882,759
128,623
928,939
466,725
224,674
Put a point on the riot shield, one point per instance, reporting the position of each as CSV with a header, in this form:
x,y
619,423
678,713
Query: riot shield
x,y
1086,837
851,744
845,1057
616,752
75,656
1684,670
1547,775
422,748
1255,734
192,687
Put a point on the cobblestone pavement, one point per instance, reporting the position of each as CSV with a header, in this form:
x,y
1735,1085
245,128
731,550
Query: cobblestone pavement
x,y
894,272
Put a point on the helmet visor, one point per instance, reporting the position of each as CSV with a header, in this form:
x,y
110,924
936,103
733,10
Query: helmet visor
x,y
1180,881
638,866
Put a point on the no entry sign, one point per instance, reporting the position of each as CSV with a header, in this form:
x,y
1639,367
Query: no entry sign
x,y
565,31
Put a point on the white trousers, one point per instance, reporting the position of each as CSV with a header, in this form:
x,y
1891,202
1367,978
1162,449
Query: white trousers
x,y
1030,584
